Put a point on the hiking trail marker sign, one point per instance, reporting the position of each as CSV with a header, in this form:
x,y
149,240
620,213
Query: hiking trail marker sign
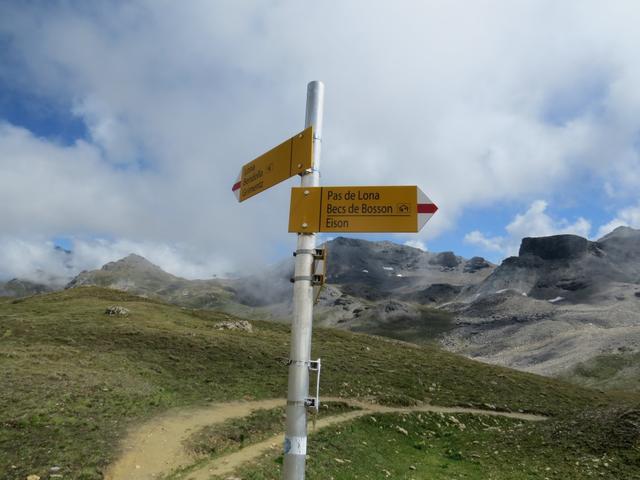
x,y
320,209
359,209
291,157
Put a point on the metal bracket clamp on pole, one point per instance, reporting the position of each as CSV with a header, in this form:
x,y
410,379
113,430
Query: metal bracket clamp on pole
x,y
318,253
315,366
315,279
295,442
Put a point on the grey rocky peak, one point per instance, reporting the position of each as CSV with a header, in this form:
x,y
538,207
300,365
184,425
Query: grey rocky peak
x,y
381,268
623,232
556,247
131,261
569,266
563,300
130,273
622,248
137,275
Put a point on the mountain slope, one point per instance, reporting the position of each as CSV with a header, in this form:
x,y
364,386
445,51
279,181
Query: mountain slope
x,y
74,379
377,284
374,287
378,270
562,301
569,266
135,274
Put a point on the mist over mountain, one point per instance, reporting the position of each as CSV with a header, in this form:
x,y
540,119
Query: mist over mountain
x,y
371,271
23,288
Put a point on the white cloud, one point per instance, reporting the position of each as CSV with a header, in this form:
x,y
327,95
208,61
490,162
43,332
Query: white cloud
x,y
419,244
37,259
627,217
32,260
493,244
476,102
109,133
47,188
535,222
175,259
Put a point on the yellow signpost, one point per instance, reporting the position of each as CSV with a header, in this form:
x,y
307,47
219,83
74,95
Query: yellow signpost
x,y
359,209
292,157
320,209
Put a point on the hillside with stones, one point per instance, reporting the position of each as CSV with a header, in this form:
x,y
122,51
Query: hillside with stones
x,y
561,303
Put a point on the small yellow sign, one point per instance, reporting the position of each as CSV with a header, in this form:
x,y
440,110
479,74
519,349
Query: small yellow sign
x,y
292,157
359,209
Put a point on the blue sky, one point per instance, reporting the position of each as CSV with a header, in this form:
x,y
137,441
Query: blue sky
x,y
123,125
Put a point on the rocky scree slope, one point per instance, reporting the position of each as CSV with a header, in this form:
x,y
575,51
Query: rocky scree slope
x,y
569,266
562,301
370,285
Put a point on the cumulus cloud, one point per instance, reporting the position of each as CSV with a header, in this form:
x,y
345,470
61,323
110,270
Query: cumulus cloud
x,y
486,101
535,222
46,188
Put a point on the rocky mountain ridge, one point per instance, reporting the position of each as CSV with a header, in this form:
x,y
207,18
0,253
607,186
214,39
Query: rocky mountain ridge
x,y
562,301
569,267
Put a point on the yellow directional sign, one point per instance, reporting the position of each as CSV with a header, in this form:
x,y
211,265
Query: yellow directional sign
x,y
359,209
292,157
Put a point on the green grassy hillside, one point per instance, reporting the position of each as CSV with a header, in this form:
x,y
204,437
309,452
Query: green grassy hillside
x,y
619,371
73,379
432,446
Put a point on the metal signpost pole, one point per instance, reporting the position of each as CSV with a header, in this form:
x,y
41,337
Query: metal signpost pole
x,y
295,445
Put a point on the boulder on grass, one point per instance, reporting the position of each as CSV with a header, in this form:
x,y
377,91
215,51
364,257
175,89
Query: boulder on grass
x,y
116,310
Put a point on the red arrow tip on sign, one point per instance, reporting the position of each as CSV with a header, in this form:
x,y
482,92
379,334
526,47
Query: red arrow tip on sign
x,y
236,186
427,208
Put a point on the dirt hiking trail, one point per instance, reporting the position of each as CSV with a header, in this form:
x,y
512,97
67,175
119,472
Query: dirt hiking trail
x,y
155,448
